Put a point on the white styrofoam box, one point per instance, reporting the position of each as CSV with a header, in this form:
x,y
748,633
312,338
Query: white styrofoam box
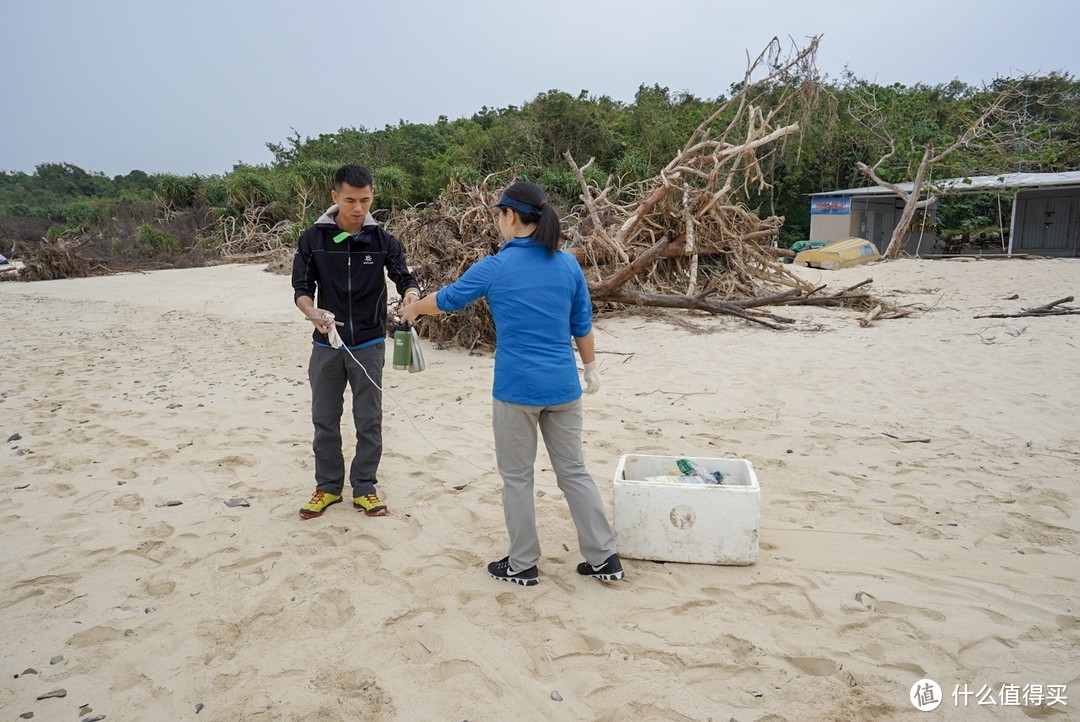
x,y
678,522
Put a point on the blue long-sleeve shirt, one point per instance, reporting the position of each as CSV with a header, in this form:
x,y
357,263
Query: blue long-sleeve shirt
x,y
538,301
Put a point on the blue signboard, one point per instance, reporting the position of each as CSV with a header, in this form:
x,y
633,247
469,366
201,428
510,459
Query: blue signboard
x,y
837,206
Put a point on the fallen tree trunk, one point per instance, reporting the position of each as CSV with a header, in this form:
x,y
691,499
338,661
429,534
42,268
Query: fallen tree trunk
x,y
697,302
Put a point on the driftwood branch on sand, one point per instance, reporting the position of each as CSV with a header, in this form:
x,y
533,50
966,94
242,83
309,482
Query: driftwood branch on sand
x,y
1054,308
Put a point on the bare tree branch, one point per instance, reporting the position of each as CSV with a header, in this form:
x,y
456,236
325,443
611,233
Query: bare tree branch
x,y
991,128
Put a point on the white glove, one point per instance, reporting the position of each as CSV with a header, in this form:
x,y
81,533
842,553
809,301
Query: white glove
x,y
592,378
332,336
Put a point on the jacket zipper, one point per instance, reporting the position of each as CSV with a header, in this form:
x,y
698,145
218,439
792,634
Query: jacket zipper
x,y
348,300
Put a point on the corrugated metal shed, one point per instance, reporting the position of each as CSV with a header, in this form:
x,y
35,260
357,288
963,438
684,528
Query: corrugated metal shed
x,y
1045,216
975,184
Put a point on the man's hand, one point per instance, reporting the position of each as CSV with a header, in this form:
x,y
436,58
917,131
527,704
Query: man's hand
x,y
323,320
411,296
592,378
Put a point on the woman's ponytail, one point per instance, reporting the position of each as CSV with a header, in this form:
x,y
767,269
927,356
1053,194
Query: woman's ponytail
x,y
532,207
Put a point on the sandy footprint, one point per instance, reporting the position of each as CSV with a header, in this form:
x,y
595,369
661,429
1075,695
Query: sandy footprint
x,y
513,607
129,502
907,611
416,617
94,636
986,652
158,530
220,639
448,559
158,588
57,587
249,561
815,666
233,462
252,571
335,608
153,550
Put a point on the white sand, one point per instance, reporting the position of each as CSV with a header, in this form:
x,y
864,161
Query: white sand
x,y
136,390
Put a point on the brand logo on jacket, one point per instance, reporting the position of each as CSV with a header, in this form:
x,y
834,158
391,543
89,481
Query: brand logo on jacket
x,y
368,261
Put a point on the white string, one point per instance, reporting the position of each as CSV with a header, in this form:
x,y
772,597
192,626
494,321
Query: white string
x,y
922,213
1001,225
404,411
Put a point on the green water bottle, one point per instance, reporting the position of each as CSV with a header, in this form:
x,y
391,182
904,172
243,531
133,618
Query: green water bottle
x,y
402,346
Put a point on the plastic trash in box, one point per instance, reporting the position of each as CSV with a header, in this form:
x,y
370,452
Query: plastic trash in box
x,y
688,473
659,516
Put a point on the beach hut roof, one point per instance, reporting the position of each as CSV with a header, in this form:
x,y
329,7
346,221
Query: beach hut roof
x,y
974,184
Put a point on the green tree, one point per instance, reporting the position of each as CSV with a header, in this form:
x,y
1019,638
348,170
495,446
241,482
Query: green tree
x,y
174,193
581,124
66,180
392,185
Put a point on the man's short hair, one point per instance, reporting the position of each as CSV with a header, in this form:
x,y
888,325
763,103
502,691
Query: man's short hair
x,y
355,175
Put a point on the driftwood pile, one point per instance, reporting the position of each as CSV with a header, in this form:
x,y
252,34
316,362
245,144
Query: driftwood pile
x,y
442,240
53,259
682,239
253,237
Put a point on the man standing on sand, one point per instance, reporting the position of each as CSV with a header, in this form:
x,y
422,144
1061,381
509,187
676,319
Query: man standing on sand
x,y
339,285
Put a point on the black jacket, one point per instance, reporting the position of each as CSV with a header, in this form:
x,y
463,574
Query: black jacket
x,y
346,277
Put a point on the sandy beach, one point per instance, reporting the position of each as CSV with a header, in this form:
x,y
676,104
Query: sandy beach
x,y
919,516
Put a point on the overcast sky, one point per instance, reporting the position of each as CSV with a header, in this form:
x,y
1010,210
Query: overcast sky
x,y
196,86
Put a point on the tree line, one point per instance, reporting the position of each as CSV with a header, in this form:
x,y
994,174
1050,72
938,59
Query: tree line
x,y
142,216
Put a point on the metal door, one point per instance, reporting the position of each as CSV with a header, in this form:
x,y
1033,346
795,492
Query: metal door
x,y
879,228
872,228
1047,226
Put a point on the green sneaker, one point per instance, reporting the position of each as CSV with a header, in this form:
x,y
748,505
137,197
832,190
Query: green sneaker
x,y
370,504
319,501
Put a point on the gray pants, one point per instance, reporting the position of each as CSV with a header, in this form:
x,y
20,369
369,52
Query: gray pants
x,y
328,371
515,453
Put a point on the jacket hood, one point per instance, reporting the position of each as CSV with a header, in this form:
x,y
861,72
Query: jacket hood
x,y
329,218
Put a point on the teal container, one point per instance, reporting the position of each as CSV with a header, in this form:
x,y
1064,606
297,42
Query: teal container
x,y
402,346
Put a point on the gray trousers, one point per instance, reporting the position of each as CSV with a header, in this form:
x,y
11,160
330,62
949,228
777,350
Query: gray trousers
x,y
515,453
329,371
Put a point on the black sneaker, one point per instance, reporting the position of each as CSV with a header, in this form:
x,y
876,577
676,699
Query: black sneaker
x,y
609,571
501,570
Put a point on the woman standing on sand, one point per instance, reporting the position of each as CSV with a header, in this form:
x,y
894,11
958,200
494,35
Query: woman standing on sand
x,y
539,300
